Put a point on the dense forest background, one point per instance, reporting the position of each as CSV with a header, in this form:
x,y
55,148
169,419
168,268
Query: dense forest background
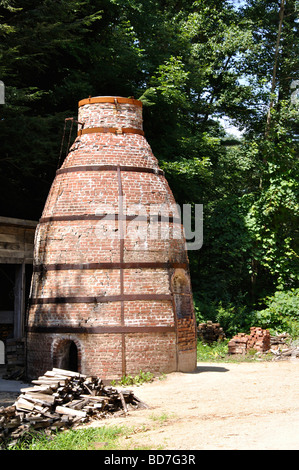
x,y
196,65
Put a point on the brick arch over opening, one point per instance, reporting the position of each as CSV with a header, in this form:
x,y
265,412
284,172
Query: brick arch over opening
x,y
63,350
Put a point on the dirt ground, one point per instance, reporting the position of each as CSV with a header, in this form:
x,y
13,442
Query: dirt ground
x,y
8,398
244,406
227,406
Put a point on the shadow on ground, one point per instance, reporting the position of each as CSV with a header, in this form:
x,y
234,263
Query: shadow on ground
x,y
208,368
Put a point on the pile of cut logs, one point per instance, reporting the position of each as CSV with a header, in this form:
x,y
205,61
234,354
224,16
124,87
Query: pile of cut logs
x,y
282,347
279,341
258,339
62,399
209,332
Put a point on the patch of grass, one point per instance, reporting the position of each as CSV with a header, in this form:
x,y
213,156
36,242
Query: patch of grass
x,y
213,352
162,418
138,379
218,352
73,439
162,376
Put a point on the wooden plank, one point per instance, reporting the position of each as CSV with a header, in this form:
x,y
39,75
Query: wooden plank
x,y
19,304
23,404
10,238
123,402
15,254
11,221
95,398
18,258
13,241
53,383
38,388
40,397
70,411
11,246
68,373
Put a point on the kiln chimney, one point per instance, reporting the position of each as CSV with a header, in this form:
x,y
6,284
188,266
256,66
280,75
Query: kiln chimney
x,y
111,291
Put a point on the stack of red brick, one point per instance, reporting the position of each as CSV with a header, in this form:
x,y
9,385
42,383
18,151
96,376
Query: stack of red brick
x,y
258,339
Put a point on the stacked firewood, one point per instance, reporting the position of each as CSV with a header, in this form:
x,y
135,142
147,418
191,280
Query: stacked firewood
x,y
258,339
283,348
63,399
210,332
280,341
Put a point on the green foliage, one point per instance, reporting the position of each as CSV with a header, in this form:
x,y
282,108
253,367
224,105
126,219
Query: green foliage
x,y
281,313
234,317
169,83
79,439
218,352
211,353
138,379
272,223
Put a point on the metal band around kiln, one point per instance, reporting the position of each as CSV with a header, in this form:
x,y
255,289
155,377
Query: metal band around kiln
x,y
111,130
117,265
99,299
137,169
101,329
139,218
110,99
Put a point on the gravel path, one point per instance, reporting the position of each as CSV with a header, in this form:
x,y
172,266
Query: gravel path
x,y
238,406
245,406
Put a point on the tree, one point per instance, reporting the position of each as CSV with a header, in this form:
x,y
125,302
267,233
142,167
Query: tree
x,y
191,63
271,219
38,45
273,81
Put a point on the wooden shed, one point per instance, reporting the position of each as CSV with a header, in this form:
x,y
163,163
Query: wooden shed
x,y
16,259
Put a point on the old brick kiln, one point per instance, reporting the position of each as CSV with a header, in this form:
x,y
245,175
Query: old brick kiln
x,y
111,290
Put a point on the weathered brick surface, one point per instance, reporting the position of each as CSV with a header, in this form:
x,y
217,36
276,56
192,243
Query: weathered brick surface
x,y
138,313
156,353
110,115
75,242
122,318
92,282
88,315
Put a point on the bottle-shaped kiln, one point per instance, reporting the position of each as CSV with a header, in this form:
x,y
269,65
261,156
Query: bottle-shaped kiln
x,y
111,291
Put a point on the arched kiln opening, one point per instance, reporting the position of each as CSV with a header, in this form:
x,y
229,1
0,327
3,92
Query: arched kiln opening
x,y
66,355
